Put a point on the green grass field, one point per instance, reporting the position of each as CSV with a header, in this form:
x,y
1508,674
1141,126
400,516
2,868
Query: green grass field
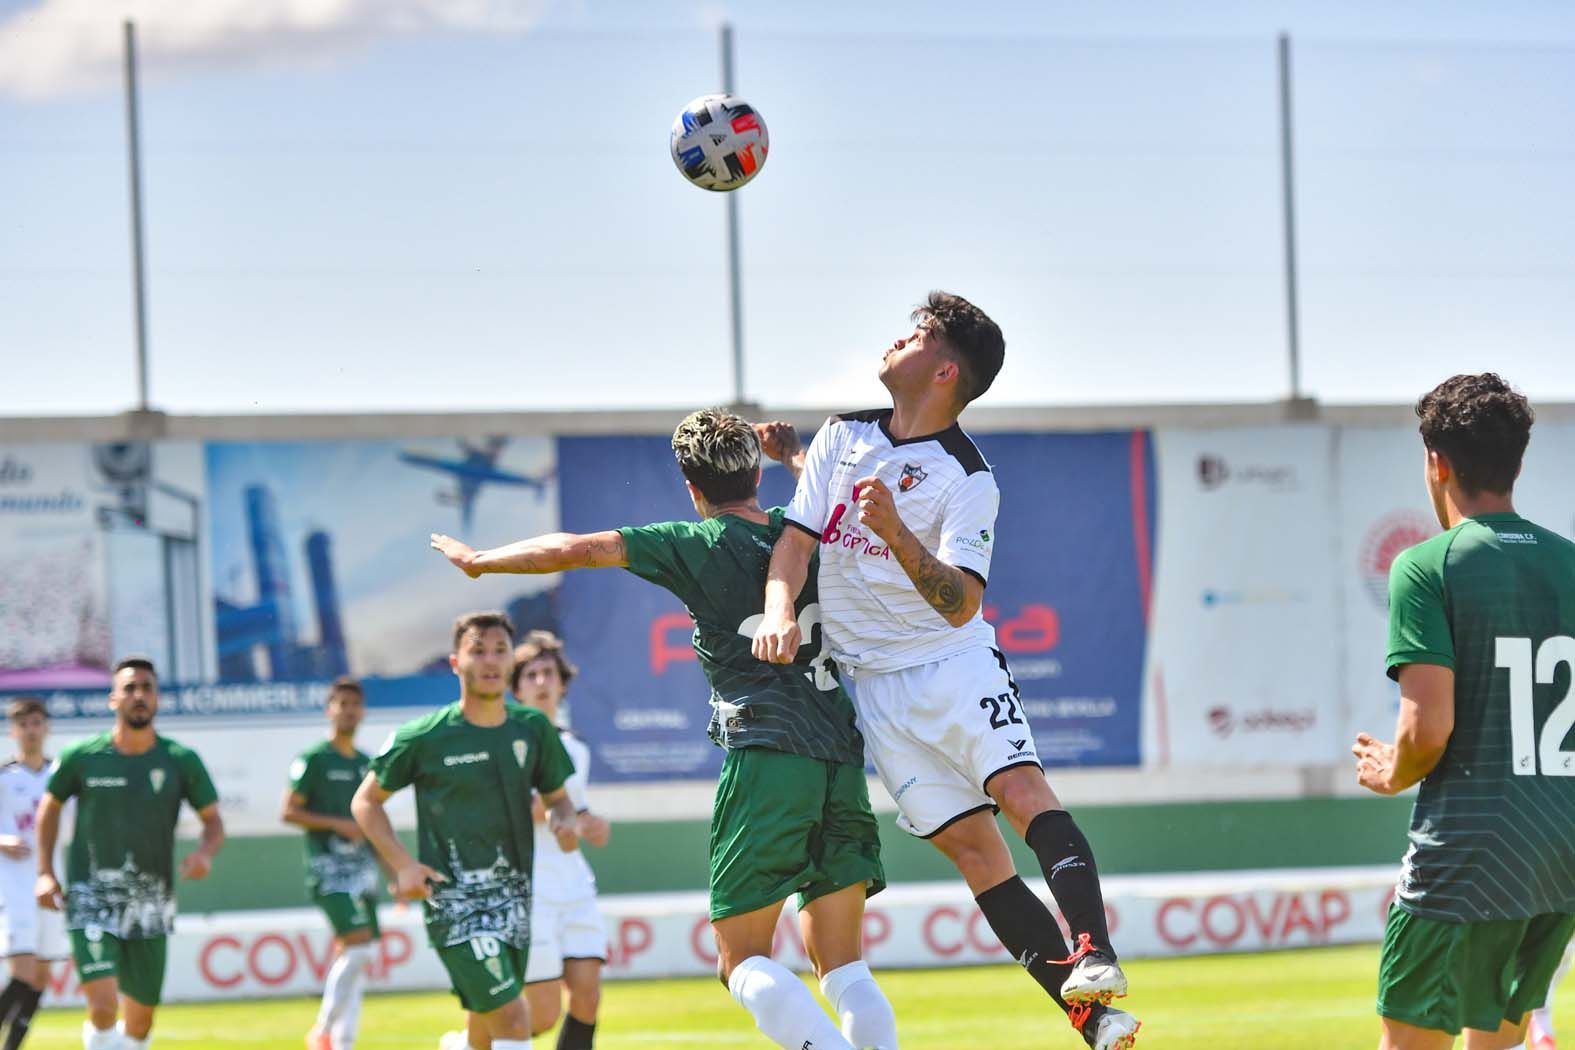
x,y
1303,1000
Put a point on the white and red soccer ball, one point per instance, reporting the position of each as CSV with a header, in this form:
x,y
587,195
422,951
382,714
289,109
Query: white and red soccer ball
x,y
719,142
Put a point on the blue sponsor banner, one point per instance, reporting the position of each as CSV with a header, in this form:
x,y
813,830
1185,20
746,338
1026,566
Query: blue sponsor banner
x,y
1068,595
640,700
1069,586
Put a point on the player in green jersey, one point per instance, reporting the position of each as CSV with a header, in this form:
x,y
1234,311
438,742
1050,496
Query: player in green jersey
x,y
341,869
473,765
1482,643
120,905
792,813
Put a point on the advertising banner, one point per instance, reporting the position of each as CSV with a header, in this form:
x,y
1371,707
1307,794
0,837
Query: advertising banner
x,y
320,554
246,955
1242,668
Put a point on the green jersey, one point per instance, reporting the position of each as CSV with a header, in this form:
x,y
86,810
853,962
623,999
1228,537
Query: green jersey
x,y
121,863
717,568
473,822
1493,830
326,781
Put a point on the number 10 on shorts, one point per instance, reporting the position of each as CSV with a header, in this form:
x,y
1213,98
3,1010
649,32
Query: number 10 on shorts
x,y
1515,656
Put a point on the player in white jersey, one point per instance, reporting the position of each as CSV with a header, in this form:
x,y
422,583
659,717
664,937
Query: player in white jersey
x,y
33,937
902,506
568,936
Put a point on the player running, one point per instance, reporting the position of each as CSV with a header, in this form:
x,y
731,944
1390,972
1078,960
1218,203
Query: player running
x,y
120,904
901,506
1482,642
33,937
473,764
792,811
341,869
568,937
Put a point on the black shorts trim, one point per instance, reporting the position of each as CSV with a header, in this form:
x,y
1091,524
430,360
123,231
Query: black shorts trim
x,y
800,526
991,806
581,958
985,787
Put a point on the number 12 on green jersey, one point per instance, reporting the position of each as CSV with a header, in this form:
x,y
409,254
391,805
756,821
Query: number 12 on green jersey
x,y
1515,656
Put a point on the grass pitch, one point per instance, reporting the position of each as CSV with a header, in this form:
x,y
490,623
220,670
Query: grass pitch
x,y
1317,999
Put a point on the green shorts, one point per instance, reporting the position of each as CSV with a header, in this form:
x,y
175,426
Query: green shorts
x,y
1446,976
348,912
785,824
484,972
137,965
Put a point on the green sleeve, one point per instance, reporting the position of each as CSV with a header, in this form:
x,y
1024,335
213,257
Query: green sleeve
x,y
198,785
65,778
555,766
1418,616
655,553
303,776
395,765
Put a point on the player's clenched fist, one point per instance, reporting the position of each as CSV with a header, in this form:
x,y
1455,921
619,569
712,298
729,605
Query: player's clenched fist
x,y
778,440
413,881
455,551
777,639
877,509
47,892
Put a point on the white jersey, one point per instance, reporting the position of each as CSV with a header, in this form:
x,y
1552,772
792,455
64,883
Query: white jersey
x,y
874,619
561,875
21,789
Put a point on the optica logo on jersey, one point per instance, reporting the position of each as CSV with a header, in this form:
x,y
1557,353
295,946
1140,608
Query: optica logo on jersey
x,y
1384,541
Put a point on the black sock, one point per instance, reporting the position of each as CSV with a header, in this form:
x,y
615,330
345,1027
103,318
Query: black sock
x,y
1068,864
22,1018
1026,928
10,997
575,1033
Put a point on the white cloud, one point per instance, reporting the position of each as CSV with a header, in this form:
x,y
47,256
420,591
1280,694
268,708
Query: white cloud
x,y
55,46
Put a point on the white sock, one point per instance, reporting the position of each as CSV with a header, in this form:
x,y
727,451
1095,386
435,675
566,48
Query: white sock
x,y
342,1035
341,1026
341,984
867,1018
128,1043
783,1009
99,1038
511,1044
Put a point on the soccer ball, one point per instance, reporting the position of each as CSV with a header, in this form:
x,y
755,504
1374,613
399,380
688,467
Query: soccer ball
x,y
719,142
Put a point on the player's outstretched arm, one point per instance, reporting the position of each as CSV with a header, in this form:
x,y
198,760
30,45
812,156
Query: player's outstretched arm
x,y
197,863
1427,718
47,888
412,879
950,591
778,637
554,552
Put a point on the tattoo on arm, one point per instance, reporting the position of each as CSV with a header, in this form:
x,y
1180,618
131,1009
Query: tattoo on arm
x,y
603,550
943,586
940,584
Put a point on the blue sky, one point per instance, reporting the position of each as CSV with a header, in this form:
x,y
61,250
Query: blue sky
x,y
413,204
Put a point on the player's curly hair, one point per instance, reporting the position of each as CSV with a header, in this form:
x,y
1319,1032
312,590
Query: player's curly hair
x,y
482,621
1481,425
536,644
973,340
719,453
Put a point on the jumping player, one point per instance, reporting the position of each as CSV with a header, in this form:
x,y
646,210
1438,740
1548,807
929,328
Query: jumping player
x,y
1482,643
901,506
792,811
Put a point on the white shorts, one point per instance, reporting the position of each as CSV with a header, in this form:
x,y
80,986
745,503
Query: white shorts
x,y
562,930
938,732
29,929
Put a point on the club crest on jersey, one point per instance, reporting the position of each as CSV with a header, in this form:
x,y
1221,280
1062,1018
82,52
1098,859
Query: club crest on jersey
x,y
495,968
519,752
156,778
912,475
